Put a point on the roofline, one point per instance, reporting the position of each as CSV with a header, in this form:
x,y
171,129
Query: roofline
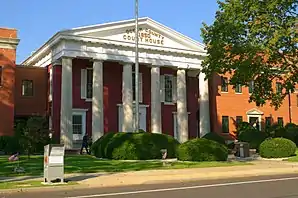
x,y
39,50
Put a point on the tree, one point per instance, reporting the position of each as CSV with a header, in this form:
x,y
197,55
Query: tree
x,y
34,134
254,40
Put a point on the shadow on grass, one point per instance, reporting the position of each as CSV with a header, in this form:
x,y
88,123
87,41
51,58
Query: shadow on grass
x,y
89,164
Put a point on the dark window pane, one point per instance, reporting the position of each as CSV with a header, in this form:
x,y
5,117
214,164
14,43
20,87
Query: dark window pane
x,y
89,83
251,86
238,88
224,84
27,88
278,87
225,124
280,121
268,121
239,119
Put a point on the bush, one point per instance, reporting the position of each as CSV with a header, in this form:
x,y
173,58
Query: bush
x,y
277,147
99,146
201,149
215,137
9,144
253,136
134,146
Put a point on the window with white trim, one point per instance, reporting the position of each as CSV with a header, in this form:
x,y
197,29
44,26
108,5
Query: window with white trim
x,y
78,124
86,83
168,84
89,84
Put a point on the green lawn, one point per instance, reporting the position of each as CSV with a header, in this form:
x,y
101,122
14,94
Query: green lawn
x,y
89,164
294,158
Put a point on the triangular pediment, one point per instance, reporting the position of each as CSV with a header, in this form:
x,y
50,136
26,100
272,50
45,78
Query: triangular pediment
x,y
151,33
254,111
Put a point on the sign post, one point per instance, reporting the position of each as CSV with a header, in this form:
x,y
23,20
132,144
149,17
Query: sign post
x,y
54,163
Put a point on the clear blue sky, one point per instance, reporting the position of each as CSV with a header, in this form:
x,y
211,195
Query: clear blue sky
x,y
38,20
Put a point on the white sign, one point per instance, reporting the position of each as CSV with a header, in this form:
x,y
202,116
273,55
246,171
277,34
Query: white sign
x,y
146,35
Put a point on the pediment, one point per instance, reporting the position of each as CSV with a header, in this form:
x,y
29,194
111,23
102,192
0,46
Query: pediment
x,y
151,33
254,111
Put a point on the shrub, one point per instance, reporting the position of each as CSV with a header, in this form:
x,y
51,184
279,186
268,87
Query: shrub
x,y
253,136
134,146
277,147
99,146
9,144
214,137
201,149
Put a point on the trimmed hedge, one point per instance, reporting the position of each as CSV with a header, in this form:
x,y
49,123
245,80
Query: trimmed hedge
x,y
253,136
277,147
201,149
134,146
215,137
98,148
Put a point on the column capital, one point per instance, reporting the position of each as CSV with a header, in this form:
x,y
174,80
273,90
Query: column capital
x,y
97,60
125,63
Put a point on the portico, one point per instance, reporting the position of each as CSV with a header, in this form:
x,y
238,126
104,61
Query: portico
x,y
170,63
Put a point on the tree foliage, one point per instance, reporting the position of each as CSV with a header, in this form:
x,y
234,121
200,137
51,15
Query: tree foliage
x,y
254,40
33,134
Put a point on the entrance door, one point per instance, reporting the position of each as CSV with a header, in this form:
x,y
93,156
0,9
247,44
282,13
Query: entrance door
x,y
254,121
142,118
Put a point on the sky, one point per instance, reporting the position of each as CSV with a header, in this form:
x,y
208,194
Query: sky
x,y
38,20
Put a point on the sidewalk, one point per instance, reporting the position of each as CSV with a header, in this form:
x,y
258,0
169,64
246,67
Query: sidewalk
x,y
258,168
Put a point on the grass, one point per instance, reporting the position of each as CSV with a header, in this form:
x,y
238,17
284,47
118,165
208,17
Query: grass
x,y
27,184
294,158
89,164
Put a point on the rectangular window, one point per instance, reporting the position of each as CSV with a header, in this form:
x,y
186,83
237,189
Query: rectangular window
x,y
268,121
168,88
77,124
1,73
280,121
89,85
278,87
27,88
225,124
239,120
224,84
251,86
238,88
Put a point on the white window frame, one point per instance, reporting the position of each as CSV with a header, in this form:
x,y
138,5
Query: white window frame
x,y
84,76
163,88
81,112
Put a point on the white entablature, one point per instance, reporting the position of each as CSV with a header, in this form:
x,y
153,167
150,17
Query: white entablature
x,y
158,45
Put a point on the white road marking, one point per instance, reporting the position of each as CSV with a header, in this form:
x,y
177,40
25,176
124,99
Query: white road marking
x,y
185,188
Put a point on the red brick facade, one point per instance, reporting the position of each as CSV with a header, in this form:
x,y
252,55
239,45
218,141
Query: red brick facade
x,y
7,80
234,104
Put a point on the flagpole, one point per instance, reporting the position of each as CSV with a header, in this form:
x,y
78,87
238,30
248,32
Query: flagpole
x,y
137,65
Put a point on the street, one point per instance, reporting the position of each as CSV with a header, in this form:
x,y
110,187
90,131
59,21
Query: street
x,y
282,186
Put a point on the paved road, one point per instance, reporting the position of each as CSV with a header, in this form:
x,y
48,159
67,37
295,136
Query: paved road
x,y
283,186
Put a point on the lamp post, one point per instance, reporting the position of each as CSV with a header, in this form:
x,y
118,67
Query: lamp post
x,y
136,66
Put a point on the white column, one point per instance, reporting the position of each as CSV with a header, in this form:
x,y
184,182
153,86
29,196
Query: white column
x,y
66,104
97,101
127,98
182,114
155,100
204,105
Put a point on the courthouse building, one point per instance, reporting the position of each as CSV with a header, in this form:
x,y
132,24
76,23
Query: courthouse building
x,y
83,79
